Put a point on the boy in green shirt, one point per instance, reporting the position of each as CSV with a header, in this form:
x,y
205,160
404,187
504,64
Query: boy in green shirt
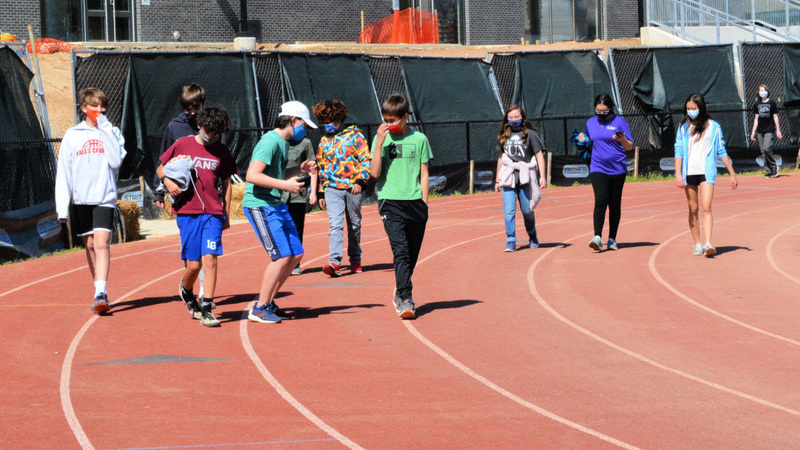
x,y
400,164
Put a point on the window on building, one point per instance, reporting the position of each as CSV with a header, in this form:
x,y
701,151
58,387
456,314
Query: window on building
x,y
565,20
88,20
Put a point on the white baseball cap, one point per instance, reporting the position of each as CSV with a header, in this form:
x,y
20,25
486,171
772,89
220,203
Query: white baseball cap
x,y
297,109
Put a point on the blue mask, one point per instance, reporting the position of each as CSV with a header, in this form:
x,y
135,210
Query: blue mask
x,y
693,113
299,133
515,123
330,128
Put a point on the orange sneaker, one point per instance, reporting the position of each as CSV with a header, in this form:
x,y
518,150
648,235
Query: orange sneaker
x,y
332,269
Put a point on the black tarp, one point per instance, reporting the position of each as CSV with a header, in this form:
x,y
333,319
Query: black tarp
x,y
559,83
314,78
670,75
791,89
28,222
446,90
18,117
153,85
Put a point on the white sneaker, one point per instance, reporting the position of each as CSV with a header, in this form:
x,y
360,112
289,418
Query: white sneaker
x,y
612,244
596,243
709,250
698,249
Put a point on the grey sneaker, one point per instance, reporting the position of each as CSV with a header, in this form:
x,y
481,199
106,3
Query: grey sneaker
x,y
596,243
698,249
397,302
297,270
709,250
191,303
407,309
206,317
612,244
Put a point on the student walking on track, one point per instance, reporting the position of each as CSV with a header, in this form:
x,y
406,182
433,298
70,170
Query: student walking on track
x,y
698,146
400,159
91,153
520,174
611,138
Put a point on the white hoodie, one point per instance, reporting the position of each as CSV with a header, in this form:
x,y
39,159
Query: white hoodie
x,y
87,166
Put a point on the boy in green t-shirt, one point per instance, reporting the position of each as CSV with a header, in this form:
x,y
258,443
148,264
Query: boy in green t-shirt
x,y
400,165
267,214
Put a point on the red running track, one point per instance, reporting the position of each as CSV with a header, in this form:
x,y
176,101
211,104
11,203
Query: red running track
x,y
559,346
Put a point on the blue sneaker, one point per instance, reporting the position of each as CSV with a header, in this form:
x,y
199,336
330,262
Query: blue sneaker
x,y
100,305
277,310
510,247
263,314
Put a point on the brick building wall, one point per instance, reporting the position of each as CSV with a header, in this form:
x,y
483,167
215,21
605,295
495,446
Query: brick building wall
x,y
487,23
218,21
16,15
621,18
496,22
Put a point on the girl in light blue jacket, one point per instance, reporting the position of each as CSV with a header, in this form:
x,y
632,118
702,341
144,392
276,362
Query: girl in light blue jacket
x,y
698,146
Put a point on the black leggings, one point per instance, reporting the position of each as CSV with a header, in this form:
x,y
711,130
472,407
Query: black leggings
x,y
607,194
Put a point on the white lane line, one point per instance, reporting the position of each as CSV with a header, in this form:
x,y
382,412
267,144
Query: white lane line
x,y
66,367
573,325
509,395
289,398
652,266
41,280
67,272
772,260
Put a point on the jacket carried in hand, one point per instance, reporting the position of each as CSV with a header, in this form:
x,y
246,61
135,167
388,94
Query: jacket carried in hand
x,y
88,161
714,153
343,159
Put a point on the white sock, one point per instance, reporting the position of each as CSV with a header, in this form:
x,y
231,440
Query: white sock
x,y
100,287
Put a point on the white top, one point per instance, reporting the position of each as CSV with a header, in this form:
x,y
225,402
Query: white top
x,y
699,146
87,166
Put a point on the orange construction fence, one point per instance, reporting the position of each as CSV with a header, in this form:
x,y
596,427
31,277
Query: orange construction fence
x,y
409,26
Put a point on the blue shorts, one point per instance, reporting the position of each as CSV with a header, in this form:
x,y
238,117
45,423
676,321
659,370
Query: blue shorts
x,y
276,231
201,234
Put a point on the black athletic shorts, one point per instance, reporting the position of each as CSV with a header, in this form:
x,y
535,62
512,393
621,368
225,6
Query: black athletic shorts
x,y
695,180
93,217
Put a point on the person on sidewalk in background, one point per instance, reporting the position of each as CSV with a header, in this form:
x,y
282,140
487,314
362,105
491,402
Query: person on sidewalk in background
x,y
343,159
263,208
399,163
520,174
611,138
299,152
766,126
698,146
91,153
202,214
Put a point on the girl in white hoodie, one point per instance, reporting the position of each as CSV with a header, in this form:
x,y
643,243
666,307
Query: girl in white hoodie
x,y
91,152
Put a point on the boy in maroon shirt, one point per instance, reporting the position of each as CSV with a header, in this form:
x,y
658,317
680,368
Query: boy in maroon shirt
x,y
202,214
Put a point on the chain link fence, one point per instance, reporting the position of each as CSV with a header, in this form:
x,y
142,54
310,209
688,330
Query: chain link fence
x,y
29,172
505,72
107,72
270,88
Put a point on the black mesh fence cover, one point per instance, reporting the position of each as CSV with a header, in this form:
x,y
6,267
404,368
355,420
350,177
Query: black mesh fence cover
x,y
662,72
504,67
270,88
107,72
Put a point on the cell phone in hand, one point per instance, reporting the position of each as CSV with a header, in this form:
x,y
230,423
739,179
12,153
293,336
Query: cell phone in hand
x,y
305,179
620,133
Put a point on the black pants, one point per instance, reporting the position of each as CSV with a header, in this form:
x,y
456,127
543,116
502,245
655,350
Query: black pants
x,y
607,195
404,222
298,213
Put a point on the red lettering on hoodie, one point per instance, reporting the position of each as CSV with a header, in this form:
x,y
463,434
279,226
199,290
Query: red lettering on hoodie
x,y
91,146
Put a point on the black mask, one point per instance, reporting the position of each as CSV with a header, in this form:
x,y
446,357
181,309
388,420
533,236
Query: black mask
x,y
192,119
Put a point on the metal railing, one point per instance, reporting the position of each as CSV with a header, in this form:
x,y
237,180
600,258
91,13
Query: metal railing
x,y
771,20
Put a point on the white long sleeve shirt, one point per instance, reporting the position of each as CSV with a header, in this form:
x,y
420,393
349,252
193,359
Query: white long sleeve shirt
x,y
87,166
